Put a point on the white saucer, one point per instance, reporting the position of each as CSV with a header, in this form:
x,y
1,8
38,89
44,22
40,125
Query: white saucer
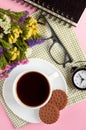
x,y
34,64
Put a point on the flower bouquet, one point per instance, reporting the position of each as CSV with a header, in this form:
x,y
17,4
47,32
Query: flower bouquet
x,y
18,33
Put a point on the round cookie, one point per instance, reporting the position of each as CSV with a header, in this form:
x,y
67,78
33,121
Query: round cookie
x,y
49,113
59,98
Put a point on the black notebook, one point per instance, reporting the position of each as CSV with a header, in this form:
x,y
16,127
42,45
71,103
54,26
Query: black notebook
x,y
69,11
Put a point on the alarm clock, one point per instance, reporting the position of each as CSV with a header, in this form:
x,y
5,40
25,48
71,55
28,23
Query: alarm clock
x,y
79,77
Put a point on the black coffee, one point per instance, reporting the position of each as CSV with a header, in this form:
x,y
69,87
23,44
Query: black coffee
x,y
33,89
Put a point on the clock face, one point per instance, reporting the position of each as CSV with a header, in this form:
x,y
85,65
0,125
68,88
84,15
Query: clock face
x,y
79,79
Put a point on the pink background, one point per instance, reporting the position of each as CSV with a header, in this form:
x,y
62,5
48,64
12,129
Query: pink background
x,y
72,117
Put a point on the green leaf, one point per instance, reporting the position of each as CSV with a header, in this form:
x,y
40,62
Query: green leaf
x,y
21,44
21,56
13,14
3,61
7,56
5,44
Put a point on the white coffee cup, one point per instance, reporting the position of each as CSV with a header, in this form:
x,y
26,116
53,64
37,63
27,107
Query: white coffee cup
x,y
33,89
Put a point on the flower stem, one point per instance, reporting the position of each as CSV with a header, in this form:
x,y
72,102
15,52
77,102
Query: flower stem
x,y
12,14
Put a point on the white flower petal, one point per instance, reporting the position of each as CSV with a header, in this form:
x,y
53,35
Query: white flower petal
x,y
28,52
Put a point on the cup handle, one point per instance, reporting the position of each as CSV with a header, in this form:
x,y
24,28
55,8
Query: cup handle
x,y
53,76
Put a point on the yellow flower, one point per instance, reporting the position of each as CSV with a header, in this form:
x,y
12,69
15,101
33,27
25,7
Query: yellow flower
x,y
31,28
15,53
14,57
28,33
20,31
11,36
34,32
12,39
32,21
15,30
15,49
16,35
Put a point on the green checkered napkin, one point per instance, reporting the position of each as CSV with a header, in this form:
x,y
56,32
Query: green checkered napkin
x,y
69,39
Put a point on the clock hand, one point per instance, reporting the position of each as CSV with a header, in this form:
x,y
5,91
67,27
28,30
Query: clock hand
x,y
81,78
83,84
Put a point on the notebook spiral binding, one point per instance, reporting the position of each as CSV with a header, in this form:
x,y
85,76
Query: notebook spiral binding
x,y
51,14
49,11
